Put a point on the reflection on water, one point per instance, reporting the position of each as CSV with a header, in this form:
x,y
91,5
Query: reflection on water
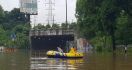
x,y
37,60
44,63
54,64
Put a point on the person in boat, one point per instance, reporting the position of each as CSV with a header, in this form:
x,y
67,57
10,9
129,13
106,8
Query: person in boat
x,y
59,49
73,50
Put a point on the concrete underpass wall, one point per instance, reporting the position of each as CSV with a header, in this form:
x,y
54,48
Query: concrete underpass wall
x,y
50,42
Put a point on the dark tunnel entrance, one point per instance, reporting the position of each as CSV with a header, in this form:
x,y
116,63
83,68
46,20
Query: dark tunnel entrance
x,y
50,42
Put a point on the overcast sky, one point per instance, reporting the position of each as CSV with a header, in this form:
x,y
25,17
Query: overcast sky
x,y
59,11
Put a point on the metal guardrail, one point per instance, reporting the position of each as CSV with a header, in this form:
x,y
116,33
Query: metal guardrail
x,y
51,32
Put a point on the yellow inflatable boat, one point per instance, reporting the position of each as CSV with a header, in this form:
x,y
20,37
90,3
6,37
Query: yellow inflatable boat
x,y
72,54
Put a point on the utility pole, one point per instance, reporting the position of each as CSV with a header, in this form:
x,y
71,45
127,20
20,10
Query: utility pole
x,y
50,17
66,15
34,20
53,20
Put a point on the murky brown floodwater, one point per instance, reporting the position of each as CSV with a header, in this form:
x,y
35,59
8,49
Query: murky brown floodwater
x,y
23,60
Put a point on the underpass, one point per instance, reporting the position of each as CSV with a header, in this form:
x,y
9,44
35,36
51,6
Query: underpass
x,y
50,39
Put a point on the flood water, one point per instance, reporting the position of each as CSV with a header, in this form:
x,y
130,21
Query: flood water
x,y
37,60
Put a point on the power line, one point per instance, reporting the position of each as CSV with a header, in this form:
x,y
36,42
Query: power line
x,y
50,16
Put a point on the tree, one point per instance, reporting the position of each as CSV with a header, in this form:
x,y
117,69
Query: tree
x,y
16,15
3,36
124,28
13,18
22,32
64,26
48,26
86,13
73,25
14,22
108,13
97,18
55,26
1,14
40,26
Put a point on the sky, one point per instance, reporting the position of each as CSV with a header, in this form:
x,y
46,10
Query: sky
x,y
59,11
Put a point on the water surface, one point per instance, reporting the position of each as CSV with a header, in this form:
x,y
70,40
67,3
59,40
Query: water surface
x,y
37,60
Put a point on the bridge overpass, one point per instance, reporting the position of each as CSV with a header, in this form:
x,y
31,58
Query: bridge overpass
x,y
51,39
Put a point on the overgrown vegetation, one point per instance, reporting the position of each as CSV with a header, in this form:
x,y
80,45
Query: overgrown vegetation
x,y
14,29
105,23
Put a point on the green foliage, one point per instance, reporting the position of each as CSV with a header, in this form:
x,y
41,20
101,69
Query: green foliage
x,y
16,15
105,22
48,26
13,18
73,26
14,22
86,14
39,26
55,26
124,29
2,15
3,36
64,26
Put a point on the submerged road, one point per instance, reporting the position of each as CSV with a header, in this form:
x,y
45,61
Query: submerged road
x,y
27,60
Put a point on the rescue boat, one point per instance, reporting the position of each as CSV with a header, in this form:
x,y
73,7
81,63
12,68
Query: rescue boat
x,y
58,54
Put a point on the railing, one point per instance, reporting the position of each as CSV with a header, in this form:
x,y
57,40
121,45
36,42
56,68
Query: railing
x,y
51,32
